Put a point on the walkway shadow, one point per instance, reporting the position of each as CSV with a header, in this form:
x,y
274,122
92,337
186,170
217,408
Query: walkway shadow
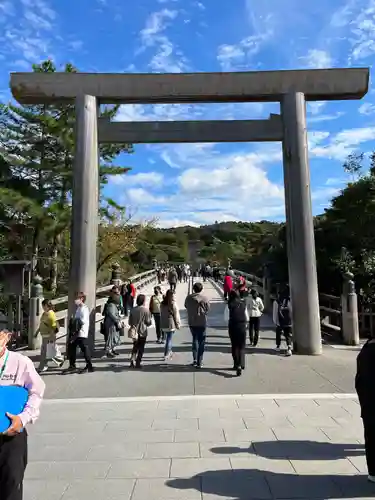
x,y
295,450
247,484
163,368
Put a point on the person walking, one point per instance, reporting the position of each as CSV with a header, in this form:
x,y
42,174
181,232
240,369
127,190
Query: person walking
x,y
365,388
228,285
179,272
78,336
282,318
139,319
255,308
128,292
197,307
154,308
172,278
48,329
17,370
112,324
169,321
237,328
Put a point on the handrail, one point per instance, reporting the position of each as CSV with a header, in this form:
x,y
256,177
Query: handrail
x,y
105,288
140,280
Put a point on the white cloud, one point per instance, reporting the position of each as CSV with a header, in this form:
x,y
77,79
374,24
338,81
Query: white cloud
x,y
324,118
335,181
139,196
142,179
317,59
28,36
363,32
341,144
367,109
166,58
156,23
238,56
222,187
324,193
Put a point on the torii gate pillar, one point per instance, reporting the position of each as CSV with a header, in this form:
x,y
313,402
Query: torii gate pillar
x,y
300,226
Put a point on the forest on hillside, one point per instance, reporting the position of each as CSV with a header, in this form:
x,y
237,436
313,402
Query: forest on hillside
x,y
36,161
344,238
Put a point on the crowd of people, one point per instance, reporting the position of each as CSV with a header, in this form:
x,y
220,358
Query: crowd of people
x,y
243,312
127,310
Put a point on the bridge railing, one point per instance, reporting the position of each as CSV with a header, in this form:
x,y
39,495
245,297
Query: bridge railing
x,y
338,315
140,281
330,312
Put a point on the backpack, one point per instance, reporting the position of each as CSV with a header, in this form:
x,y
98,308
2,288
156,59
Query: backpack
x,y
285,318
237,312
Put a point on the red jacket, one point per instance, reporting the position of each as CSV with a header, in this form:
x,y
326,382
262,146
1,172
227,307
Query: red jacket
x,y
228,284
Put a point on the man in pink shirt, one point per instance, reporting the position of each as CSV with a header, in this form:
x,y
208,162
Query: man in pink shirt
x,y
16,369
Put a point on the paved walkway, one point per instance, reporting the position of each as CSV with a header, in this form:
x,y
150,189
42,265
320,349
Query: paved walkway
x,y
208,448
288,428
266,372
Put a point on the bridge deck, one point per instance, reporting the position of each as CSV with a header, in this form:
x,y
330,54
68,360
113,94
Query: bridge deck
x,y
266,372
181,442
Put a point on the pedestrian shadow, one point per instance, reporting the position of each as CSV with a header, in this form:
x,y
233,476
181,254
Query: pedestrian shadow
x,y
248,484
295,450
164,368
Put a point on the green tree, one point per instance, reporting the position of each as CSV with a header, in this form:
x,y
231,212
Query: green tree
x,y
36,164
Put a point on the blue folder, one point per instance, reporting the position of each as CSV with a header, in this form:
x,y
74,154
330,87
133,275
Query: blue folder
x,y
13,399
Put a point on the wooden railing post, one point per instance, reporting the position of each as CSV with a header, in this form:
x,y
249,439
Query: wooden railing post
x,y
267,286
35,312
349,308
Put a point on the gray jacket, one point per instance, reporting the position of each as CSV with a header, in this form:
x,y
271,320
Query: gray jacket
x,y
197,307
169,319
112,317
172,276
141,318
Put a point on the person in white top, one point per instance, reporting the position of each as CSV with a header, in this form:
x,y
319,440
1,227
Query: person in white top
x,y
78,336
255,308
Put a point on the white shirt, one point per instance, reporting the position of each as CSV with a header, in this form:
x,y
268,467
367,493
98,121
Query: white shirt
x,y
83,313
254,307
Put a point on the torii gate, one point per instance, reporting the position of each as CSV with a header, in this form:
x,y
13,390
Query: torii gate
x,y
291,88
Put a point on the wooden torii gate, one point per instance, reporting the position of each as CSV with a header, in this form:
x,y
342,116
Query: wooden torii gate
x,y
290,88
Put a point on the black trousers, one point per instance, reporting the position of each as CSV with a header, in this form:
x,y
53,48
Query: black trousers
x,y
83,344
287,331
13,462
138,350
254,325
157,325
173,286
369,428
237,335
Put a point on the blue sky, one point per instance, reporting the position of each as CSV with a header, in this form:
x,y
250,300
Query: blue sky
x,y
201,183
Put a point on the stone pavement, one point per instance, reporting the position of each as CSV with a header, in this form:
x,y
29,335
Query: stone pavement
x,y
266,372
287,428
206,448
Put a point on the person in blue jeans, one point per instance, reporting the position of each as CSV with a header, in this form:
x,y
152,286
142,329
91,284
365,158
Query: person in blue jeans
x,y
197,307
169,321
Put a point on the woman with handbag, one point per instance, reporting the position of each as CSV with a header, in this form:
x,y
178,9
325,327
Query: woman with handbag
x,y
139,320
169,321
48,328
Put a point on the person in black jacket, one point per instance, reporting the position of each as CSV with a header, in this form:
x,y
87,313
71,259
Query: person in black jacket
x,y
237,327
365,387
